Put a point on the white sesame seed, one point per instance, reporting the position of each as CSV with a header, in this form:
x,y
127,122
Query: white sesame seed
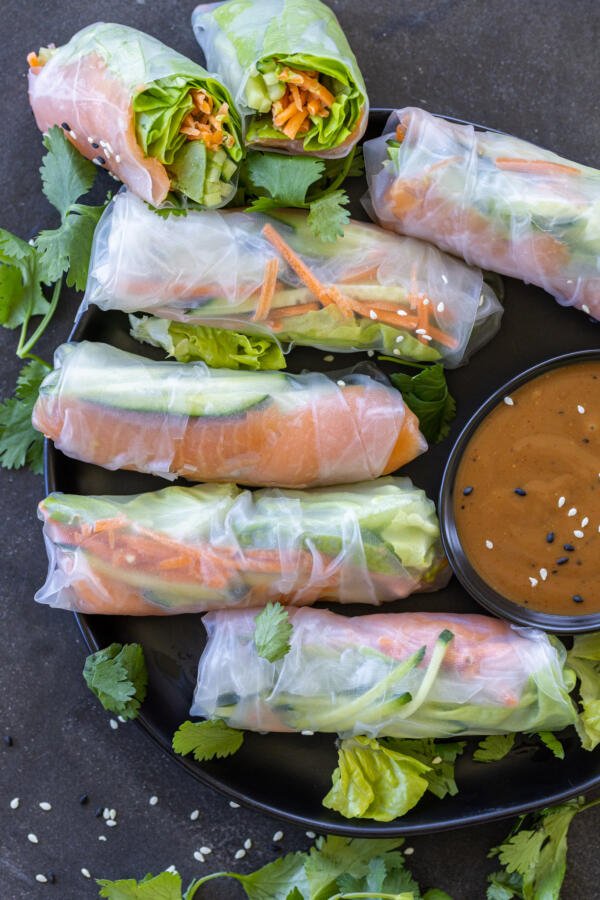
x,y
436,760
427,337
572,511
198,856
122,719
106,813
41,878
426,301
205,850
372,314
32,837
153,800
172,869
370,353
561,502
112,814
400,338
444,279
45,806
310,834
409,851
117,158
234,805
307,733
278,836
108,146
580,409
130,558
341,383
397,352
585,521
73,135
194,815
239,854
111,823
91,140
533,581
101,837
85,872
441,307
14,803
247,844
420,331
578,533
489,544
543,574
401,312
102,143
585,308
113,724
509,402
328,358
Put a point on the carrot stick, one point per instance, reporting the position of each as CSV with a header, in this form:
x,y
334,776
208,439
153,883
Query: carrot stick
x,y
286,113
175,562
296,96
291,76
291,129
319,90
357,277
535,166
283,312
109,524
268,289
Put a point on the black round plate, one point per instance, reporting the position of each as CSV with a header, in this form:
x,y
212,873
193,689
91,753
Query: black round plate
x,y
288,775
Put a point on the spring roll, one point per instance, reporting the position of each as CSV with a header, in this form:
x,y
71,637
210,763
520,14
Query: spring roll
x,y
156,120
191,549
405,675
247,272
497,201
122,411
290,70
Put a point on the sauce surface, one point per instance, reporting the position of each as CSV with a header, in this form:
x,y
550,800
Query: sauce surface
x,y
527,493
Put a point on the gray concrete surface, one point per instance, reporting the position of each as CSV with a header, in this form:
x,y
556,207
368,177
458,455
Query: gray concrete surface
x,y
531,68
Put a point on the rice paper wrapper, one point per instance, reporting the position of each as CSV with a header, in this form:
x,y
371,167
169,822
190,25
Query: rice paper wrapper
x,y
498,202
237,35
351,676
191,549
408,299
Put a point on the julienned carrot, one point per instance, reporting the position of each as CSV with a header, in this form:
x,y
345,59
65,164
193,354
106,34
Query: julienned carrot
x,y
319,90
268,289
286,113
358,277
295,123
282,312
535,166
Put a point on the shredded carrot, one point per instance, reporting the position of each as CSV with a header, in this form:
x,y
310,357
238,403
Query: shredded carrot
x,y
299,309
285,114
296,96
291,75
175,562
535,166
400,132
33,60
319,90
422,313
109,524
295,263
294,124
200,124
268,289
361,275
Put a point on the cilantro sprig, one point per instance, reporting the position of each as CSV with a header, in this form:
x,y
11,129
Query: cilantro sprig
x,y
494,747
272,632
427,395
117,675
207,740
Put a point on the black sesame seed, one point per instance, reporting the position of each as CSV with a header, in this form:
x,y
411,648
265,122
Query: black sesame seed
x,y
562,560
520,492
51,878
8,740
100,160
66,126
568,547
96,146
550,537
84,799
98,811
577,598
467,491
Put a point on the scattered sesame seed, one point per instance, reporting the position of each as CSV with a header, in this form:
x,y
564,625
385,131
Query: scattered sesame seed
x,y
198,856
112,814
106,813
520,492
121,719
341,383
205,850
278,836
400,338
550,537
436,760
580,409
14,803
73,135
99,160
307,733
113,724
239,854
111,823
572,511
441,307
41,878
568,547
585,308
328,358
84,799
65,125
372,314
95,145
585,521
247,844
32,837
561,502
86,872
153,800
194,814
578,533
370,353
9,741
397,352
489,544
310,834
45,806
444,279
130,558
101,837
543,574
420,331
427,337
577,598
108,146
562,560
533,581
401,312
509,402
426,301
234,805
468,490
173,870
409,851
117,158
91,141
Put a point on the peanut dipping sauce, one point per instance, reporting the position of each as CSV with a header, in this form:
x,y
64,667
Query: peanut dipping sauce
x,y
527,493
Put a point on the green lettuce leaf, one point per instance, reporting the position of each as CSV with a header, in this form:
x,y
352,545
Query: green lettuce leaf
x,y
427,395
584,659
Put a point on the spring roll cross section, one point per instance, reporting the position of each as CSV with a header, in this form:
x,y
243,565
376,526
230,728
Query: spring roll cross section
x,y
190,549
497,201
122,411
152,117
405,675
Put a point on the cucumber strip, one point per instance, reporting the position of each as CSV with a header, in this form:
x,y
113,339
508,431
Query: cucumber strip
x,y
437,658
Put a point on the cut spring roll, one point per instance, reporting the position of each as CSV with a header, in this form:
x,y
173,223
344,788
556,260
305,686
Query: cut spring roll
x,y
291,71
370,290
405,675
190,549
122,411
497,201
156,120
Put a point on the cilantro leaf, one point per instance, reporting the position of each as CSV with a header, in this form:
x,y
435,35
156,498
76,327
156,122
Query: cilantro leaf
x,y
334,856
118,677
166,886
272,632
427,395
20,443
20,292
552,743
440,757
285,178
207,739
494,747
277,879
328,216
68,248
504,886
66,174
